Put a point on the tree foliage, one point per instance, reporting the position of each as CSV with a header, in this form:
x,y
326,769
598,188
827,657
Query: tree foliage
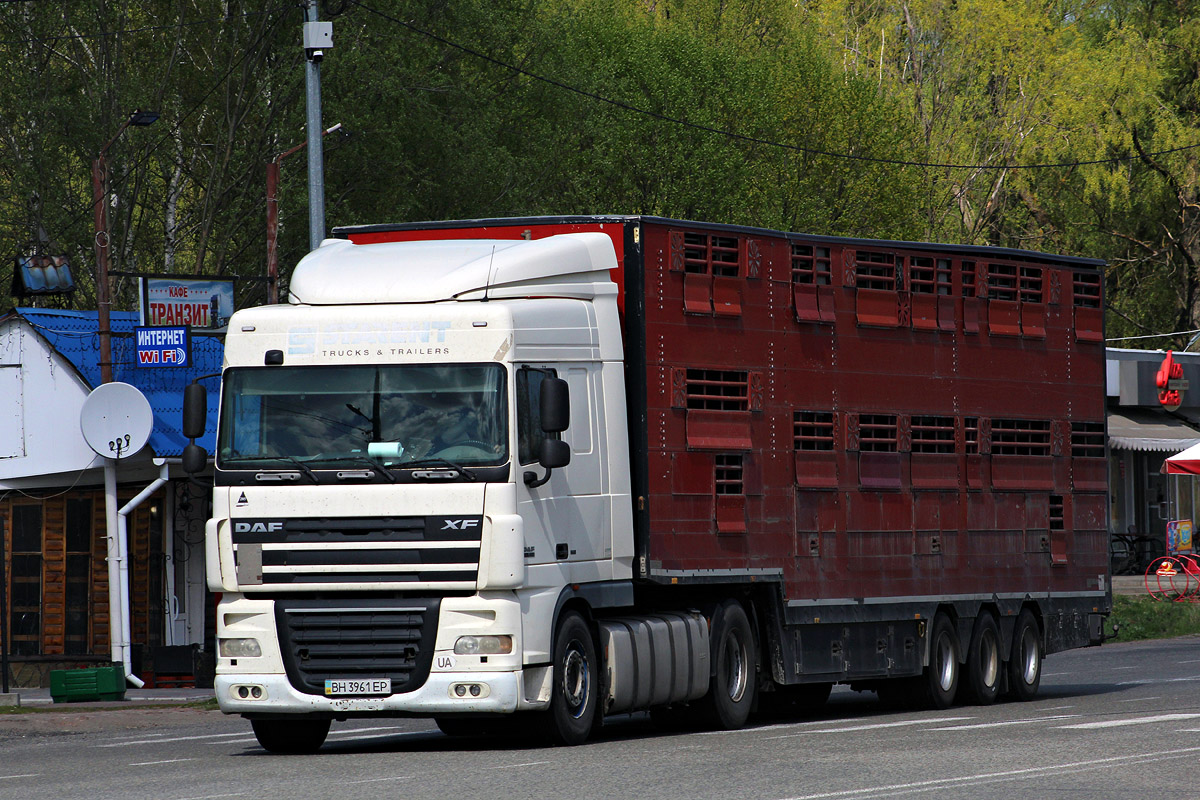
x,y
1063,126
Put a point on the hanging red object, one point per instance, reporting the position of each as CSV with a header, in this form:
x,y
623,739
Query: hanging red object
x,y
1170,382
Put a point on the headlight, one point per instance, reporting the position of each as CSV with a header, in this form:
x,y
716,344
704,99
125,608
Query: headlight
x,y
483,645
239,648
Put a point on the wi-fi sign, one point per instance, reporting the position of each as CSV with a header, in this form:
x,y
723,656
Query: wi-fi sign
x,y
162,347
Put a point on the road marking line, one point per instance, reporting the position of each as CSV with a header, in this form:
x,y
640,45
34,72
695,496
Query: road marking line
x,y
1191,661
133,742
156,763
12,777
1117,723
381,780
1029,721
527,764
1015,774
214,796
873,726
1140,699
1144,681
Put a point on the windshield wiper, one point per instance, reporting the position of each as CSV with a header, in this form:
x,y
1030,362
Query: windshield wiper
x,y
379,465
257,461
431,460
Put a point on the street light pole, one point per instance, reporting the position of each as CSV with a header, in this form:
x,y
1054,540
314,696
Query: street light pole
x,y
273,216
100,209
318,37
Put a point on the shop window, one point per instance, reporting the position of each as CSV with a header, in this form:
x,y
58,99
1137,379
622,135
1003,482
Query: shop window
x,y
78,583
25,628
812,283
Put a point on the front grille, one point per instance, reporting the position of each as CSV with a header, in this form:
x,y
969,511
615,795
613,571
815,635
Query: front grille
x,y
409,553
357,638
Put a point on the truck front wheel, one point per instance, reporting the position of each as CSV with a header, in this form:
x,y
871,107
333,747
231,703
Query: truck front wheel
x,y
731,695
290,736
576,681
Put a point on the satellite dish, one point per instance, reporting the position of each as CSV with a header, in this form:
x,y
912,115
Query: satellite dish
x,y
116,420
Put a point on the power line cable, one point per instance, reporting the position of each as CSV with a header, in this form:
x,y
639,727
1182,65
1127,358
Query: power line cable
x,y
741,136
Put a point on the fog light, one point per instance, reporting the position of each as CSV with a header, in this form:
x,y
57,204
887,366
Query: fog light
x,y
483,645
256,692
243,692
460,690
475,690
239,648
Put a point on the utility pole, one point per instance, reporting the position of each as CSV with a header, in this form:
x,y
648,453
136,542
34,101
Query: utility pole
x,y
138,118
273,216
318,37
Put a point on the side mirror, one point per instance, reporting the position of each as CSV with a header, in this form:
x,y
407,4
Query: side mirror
x,y
554,453
556,405
195,410
194,458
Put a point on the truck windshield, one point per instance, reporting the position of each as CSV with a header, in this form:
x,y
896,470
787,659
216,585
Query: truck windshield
x,y
344,416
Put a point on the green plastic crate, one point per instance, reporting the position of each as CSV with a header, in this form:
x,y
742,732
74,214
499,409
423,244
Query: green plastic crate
x,y
80,685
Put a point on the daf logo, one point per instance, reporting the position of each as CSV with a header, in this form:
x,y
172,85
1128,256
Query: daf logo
x,y
257,527
460,524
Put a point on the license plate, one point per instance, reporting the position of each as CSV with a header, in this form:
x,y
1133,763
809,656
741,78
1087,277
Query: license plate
x,y
358,686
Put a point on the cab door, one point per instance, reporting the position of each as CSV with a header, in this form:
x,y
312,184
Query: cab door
x,y
566,519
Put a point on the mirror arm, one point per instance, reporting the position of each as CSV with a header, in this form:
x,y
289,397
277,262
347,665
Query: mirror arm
x,y
532,480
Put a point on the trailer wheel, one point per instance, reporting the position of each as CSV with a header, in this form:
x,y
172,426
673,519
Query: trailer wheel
x,y
731,694
299,736
576,681
941,676
984,664
1025,663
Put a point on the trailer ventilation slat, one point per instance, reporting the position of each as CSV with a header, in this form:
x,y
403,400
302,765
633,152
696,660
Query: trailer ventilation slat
x,y
363,638
813,430
718,390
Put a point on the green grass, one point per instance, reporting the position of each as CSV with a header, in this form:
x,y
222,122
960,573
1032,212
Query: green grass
x,y
1143,617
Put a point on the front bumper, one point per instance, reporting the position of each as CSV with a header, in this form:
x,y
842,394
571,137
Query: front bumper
x,y
436,696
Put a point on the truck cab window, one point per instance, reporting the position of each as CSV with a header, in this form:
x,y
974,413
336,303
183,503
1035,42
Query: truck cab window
x,y
529,413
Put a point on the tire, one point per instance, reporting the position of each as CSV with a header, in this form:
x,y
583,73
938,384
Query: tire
x,y
1025,661
300,736
942,674
730,695
985,665
574,695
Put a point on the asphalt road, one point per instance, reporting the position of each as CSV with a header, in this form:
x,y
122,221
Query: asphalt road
x,y
1121,721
